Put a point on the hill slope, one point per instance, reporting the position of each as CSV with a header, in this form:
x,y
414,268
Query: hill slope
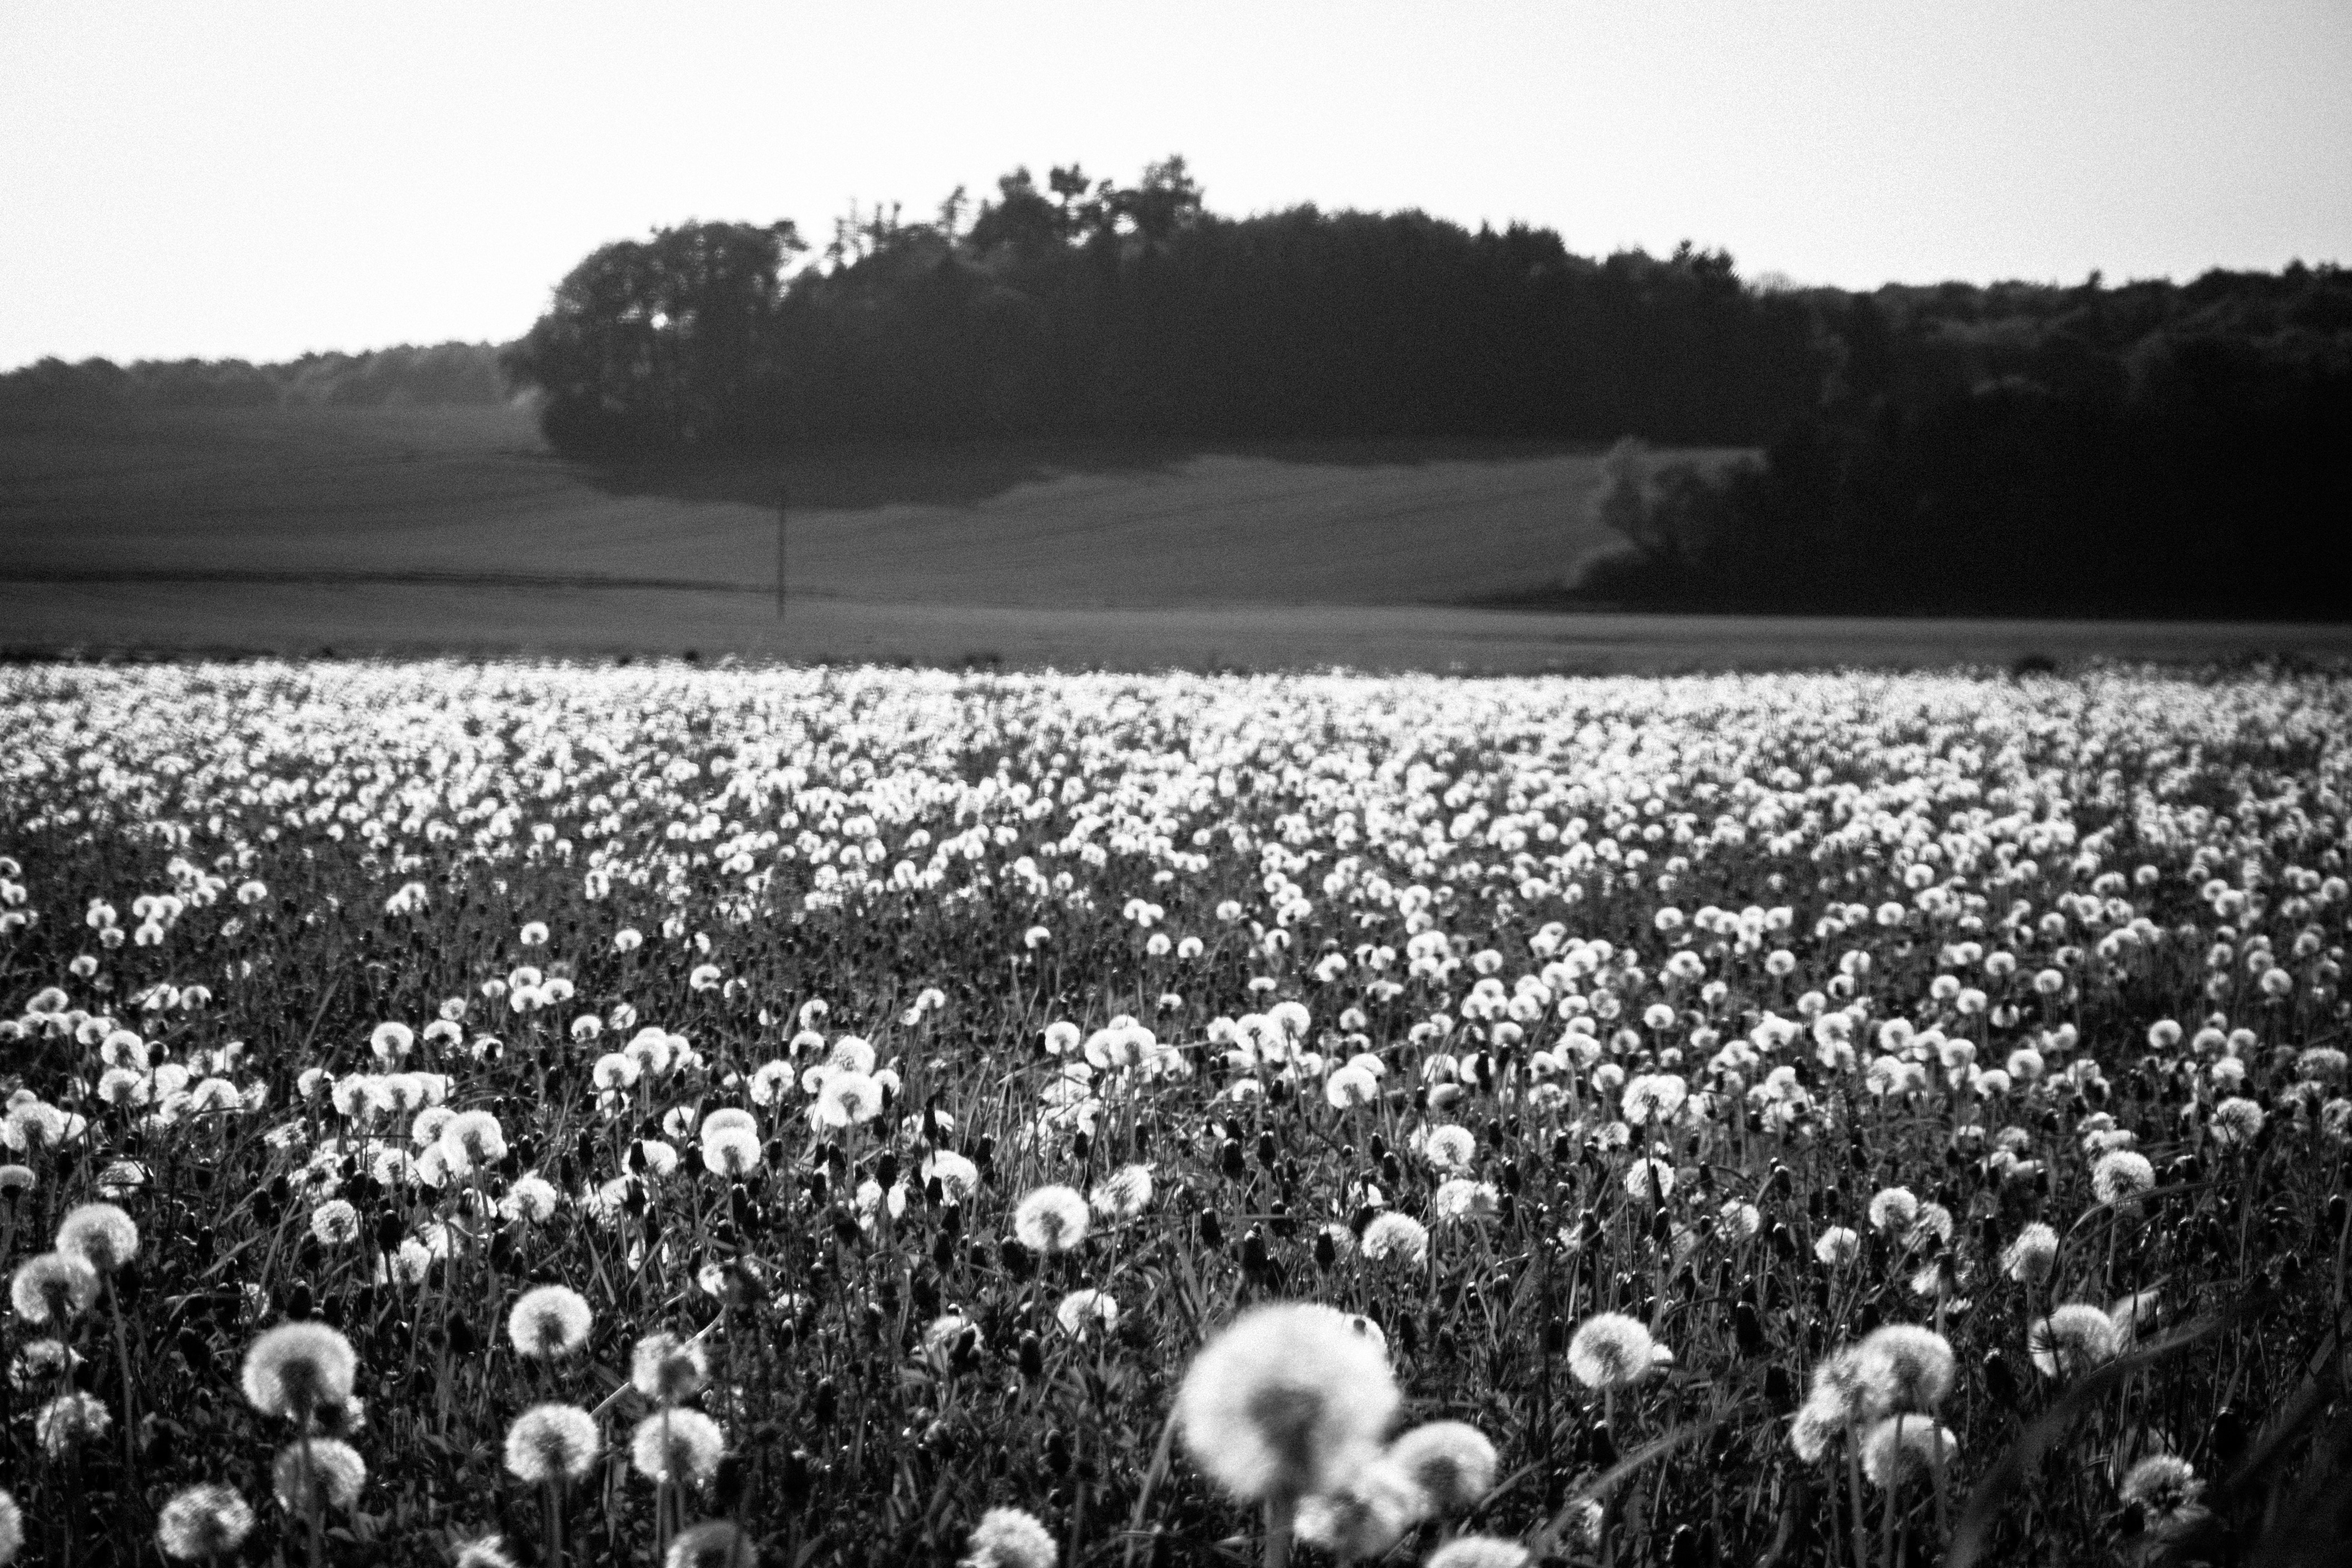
x,y
472,494
437,529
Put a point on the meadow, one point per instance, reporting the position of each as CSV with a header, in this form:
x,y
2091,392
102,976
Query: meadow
x,y
425,530
511,1113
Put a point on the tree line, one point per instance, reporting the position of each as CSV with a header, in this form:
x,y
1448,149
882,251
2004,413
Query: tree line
x,y
2152,448
1089,308
411,375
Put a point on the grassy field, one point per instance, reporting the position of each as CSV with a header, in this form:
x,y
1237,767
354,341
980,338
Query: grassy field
x,y
457,529
878,1113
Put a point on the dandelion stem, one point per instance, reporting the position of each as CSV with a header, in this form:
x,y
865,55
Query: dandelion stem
x,y
1279,1511
130,1390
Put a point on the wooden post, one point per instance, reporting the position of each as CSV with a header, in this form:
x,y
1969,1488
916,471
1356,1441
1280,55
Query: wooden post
x,y
783,500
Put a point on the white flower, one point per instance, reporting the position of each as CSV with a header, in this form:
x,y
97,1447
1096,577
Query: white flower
x,y
1611,1350
1051,1219
1280,1398
1010,1538
1084,1312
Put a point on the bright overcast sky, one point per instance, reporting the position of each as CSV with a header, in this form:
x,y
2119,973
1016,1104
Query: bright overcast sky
x,y
255,179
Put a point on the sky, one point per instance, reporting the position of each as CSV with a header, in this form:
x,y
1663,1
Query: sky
x,y
261,180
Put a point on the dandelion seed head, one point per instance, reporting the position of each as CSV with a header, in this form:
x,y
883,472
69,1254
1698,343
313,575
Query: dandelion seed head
x,y
715,1543
335,1222
2121,1175
1276,1399
52,1289
1084,1312
1480,1551
2236,1122
1051,1219
1365,1511
1609,1350
335,1471
1893,1209
202,1524
2161,1484
68,1421
682,1446
100,1234
848,1099
1010,1538
1851,1389
1124,1193
1460,1201
552,1442
2029,1258
957,1176
549,1321
1393,1236
733,1152
1919,1363
531,1199
472,1138
667,1370
2072,1340
294,1369
1904,1446
1452,1462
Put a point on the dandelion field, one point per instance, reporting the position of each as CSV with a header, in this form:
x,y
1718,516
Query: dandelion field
x,y
500,1113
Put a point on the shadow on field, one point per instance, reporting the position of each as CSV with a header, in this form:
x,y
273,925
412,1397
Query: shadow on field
x,y
859,475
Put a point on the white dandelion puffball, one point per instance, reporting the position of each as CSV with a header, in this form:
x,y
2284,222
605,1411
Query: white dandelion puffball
x,y
1051,1219
335,1222
1010,1538
681,1447
1459,1200
1124,1193
69,1420
1350,1086
334,1470
1893,1209
296,1369
2029,1258
1451,1148
666,1370
1281,1396
731,1152
1365,1513
1917,1360
2072,1340
846,1099
1904,1446
1452,1462
1397,1237
201,1524
1479,1552
958,1177
552,1442
1611,1350
2121,1175
471,1139
2162,1484
100,1234
1084,1312
549,1321
52,1289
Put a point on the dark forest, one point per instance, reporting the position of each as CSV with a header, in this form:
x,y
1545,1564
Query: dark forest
x,y
2147,448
